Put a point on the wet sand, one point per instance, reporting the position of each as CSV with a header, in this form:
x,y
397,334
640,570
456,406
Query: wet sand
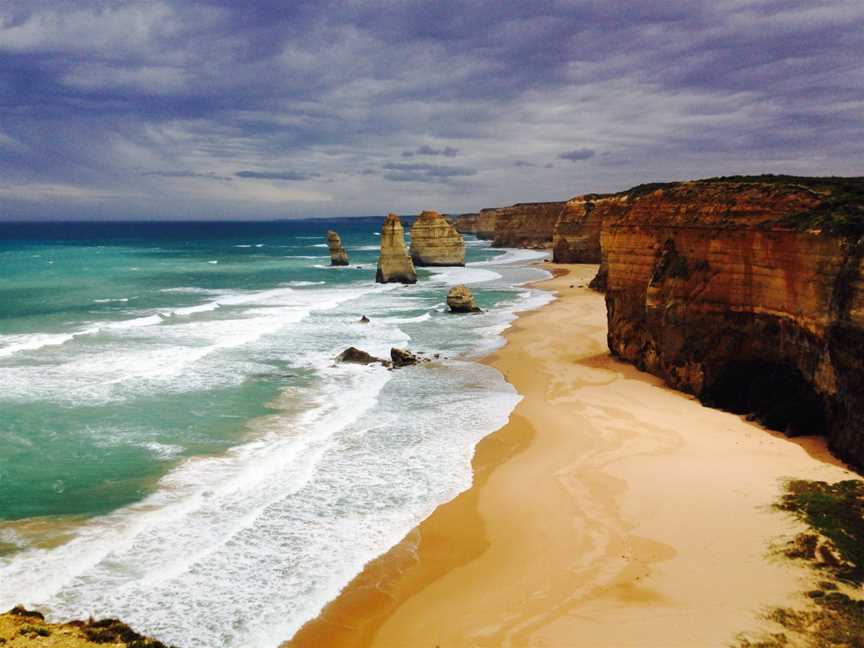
x,y
609,511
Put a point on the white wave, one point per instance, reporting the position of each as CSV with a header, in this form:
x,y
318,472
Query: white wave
x,y
192,290
466,275
425,317
514,257
319,245
242,246
17,343
213,261
298,284
163,451
109,300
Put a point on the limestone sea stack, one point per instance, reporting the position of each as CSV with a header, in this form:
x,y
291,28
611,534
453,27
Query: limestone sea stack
x,y
394,264
461,300
435,242
338,254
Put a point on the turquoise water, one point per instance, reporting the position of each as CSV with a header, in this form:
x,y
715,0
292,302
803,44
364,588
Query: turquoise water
x,y
174,433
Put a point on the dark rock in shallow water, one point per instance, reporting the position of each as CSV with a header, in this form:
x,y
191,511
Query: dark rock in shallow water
x,y
353,355
364,320
461,300
403,358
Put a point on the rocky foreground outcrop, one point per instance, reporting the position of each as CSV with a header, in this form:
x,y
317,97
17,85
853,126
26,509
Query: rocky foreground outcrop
x,y
394,264
435,242
748,292
20,627
338,254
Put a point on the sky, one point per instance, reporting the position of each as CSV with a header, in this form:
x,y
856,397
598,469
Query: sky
x,y
261,109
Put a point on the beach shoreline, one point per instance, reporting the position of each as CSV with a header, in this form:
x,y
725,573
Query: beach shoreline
x,y
595,518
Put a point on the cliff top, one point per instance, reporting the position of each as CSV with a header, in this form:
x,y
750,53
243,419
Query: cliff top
x,y
838,202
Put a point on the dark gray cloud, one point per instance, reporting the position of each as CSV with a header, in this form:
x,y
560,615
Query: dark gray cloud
x,y
422,172
577,155
186,174
277,175
132,105
447,151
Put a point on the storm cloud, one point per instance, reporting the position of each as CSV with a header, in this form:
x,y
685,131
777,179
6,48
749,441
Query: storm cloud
x,y
144,108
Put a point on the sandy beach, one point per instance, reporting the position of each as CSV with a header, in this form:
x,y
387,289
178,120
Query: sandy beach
x,y
609,511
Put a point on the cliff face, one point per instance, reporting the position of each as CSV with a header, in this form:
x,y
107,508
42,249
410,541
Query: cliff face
x,y
576,236
394,264
526,225
481,225
435,242
749,294
338,254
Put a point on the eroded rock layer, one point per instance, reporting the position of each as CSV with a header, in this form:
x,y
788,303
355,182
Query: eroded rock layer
x,y
481,224
576,237
394,264
523,225
435,242
526,225
748,293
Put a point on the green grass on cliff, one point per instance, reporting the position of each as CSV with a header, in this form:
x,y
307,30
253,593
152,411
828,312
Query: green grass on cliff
x,y
833,547
841,211
835,512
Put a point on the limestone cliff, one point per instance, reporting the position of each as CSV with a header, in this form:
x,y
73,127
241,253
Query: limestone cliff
x,y
526,225
435,242
748,292
394,264
338,254
481,224
576,236
523,225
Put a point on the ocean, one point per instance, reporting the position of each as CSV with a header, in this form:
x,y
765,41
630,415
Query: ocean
x,y
178,447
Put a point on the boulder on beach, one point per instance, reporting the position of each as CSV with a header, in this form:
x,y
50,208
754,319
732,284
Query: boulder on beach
x,y
461,300
435,242
394,264
338,254
403,358
353,355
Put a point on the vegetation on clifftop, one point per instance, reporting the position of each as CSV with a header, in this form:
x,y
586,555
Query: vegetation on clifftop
x,y
833,547
22,627
840,212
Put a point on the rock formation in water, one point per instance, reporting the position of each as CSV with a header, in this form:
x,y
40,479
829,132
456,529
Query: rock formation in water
x,y
353,355
394,264
403,358
461,300
435,242
338,254
748,292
